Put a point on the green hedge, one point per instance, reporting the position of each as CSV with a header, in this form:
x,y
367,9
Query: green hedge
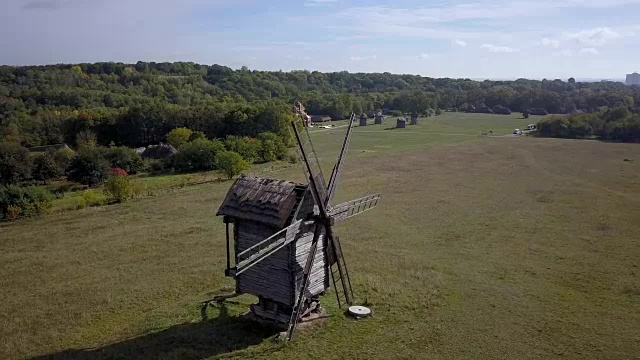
x,y
17,202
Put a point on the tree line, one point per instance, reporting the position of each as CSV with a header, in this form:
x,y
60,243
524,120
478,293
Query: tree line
x,y
137,104
612,124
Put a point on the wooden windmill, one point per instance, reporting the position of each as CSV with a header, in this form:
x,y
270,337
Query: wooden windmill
x,y
284,250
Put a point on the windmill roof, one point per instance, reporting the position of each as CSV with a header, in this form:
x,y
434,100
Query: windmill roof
x,y
264,200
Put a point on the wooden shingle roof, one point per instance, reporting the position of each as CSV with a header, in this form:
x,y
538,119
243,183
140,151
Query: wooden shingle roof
x,y
267,201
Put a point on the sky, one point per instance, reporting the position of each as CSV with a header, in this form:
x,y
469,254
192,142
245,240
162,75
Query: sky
x,y
497,39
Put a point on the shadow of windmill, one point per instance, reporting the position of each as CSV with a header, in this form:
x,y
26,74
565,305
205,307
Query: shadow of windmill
x,y
198,340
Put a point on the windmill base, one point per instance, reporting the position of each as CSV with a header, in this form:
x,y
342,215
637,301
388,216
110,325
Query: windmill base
x,y
279,315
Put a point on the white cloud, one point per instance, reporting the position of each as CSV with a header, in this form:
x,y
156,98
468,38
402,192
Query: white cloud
x,y
499,49
423,56
312,3
589,51
460,42
593,37
550,43
363,58
565,53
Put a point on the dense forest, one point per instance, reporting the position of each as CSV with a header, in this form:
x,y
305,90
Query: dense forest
x,y
138,104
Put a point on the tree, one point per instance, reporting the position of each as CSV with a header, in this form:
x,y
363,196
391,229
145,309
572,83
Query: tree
x,y
89,167
178,137
86,138
247,147
63,158
198,155
15,163
525,114
572,80
231,163
197,135
271,147
45,168
124,158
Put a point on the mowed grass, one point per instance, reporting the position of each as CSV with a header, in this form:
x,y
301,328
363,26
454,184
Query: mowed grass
x,y
481,247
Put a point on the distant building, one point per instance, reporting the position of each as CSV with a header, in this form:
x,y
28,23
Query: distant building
x,y
159,151
320,118
633,79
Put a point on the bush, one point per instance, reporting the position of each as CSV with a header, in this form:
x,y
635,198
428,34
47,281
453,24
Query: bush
x,y
18,201
15,163
272,147
198,155
63,158
293,158
119,186
178,137
124,158
197,135
156,166
45,168
93,198
231,163
247,147
89,167
395,113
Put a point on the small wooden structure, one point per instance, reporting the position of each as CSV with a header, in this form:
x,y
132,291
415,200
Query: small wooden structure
x,y
320,118
363,120
402,123
414,119
159,151
280,242
379,118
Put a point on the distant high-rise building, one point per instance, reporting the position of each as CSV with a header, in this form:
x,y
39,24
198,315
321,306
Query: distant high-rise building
x,y
633,79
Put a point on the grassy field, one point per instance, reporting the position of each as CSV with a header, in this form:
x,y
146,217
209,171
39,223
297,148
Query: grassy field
x,y
481,247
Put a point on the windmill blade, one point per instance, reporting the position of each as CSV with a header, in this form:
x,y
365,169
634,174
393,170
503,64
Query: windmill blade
x,y
311,167
264,248
354,207
335,174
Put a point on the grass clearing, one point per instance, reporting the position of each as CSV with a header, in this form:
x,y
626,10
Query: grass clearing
x,y
481,247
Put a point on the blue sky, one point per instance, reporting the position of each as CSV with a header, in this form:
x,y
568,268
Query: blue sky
x,y
475,39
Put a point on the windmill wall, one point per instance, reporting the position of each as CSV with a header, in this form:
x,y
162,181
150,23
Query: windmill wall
x,y
272,277
277,279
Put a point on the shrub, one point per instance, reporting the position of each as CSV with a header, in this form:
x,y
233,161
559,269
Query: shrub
x,y
63,158
156,166
272,147
125,158
198,155
247,147
18,201
119,187
231,163
93,198
89,167
197,135
293,158
15,163
438,111
178,137
45,168
13,212
395,113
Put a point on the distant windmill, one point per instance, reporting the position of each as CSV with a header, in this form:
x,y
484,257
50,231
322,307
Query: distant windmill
x,y
291,268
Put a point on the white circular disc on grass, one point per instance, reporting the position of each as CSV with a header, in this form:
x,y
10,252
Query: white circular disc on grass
x,y
359,311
